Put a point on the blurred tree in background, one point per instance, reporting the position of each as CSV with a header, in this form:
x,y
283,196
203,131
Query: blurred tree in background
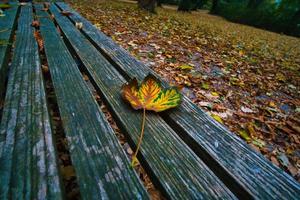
x,y
254,3
148,5
282,16
188,5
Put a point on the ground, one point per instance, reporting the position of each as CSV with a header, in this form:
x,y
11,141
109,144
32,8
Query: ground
x,y
246,78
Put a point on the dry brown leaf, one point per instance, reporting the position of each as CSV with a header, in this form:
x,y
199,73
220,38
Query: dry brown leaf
x,y
66,13
39,40
35,24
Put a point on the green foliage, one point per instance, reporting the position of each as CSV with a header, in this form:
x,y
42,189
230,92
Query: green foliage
x,y
171,2
187,5
276,15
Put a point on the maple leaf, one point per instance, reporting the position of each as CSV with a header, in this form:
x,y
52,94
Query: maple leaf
x,y
149,96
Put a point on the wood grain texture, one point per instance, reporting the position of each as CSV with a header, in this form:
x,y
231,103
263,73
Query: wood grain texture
x,y
102,168
7,26
178,171
247,173
28,167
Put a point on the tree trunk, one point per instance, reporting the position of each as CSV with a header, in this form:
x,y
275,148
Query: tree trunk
x,y
198,4
187,5
214,7
159,3
254,3
148,5
294,28
202,3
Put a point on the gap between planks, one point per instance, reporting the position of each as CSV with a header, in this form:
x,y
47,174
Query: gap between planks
x,y
7,60
212,164
127,77
154,193
71,187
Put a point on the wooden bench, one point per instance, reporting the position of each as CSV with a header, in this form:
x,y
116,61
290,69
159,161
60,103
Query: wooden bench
x,y
7,25
28,166
186,153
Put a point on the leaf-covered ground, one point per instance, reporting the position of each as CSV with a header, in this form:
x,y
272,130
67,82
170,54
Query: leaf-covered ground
x,y
246,78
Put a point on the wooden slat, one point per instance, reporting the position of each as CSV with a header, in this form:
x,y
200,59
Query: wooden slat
x,y
245,171
102,168
28,168
7,25
178,171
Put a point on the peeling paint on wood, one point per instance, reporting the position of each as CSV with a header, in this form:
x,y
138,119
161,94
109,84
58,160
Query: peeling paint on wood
x,y
28,168
93,144
7,23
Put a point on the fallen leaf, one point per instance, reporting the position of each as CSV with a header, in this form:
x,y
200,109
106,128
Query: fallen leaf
x,y
66,13
185,67
45,68
78,25
283,159
223,115
189,93
5,6
293,126
150,95
39,40
293,170
35,24
251,129
205,86
215,94
272,104
246,110
68,172
244,135
85,77
280,77
205,104
217,118
275,161
258,142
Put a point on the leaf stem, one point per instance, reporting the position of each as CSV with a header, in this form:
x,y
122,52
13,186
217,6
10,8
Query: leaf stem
x,y
134,159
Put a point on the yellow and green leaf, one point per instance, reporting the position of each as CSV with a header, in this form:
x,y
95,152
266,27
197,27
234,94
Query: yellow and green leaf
x,y
149,90
4,6
131,94
166,99
150,95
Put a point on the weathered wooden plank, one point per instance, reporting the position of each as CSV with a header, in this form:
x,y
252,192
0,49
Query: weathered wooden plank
x,y
7,25
102,168
28,168
245,171
178,171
